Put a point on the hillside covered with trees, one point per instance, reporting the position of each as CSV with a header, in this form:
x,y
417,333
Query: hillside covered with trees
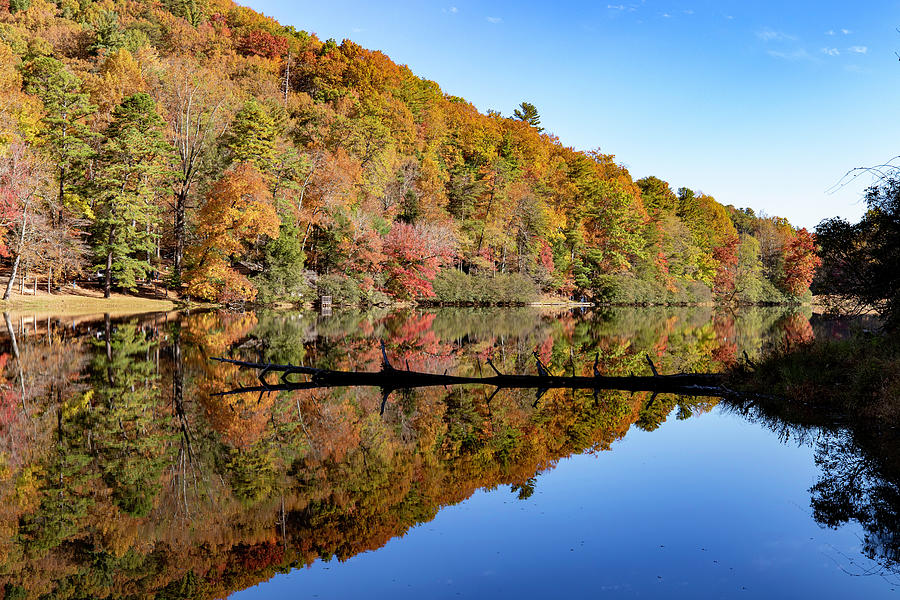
x,y
237,159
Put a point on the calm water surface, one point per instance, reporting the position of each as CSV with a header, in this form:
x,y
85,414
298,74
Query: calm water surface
x,y
124,473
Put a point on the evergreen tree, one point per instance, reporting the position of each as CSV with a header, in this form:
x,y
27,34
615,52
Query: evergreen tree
x,y
129,444
192,11
108,35
657,195
131,162
252,136
528,113
64,135
282,278
19,5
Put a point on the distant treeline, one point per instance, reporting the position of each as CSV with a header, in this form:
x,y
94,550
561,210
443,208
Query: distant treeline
x,y
240,159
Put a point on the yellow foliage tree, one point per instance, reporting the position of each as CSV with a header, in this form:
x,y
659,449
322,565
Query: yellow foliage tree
x,y
19,113
119,76
238,210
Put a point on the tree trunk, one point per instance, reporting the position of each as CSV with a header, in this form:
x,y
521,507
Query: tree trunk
x,y
389,379
149,254
107,331
15,349
180,202
486,215
62,191
107,284
12,277
15,267
107,287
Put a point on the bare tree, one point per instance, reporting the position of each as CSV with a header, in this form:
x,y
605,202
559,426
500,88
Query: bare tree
x,y
20,180
197,108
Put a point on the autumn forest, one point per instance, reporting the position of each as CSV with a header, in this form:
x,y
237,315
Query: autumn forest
x,y
508,366
206,148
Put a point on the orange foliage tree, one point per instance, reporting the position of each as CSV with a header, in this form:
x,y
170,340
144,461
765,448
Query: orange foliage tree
x,y
800,263
238,210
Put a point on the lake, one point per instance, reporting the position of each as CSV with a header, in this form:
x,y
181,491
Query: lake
x,y
125,472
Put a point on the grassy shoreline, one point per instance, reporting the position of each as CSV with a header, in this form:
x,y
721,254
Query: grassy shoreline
x,y
85,303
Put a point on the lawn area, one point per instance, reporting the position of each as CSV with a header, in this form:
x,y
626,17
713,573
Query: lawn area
x,y
79,300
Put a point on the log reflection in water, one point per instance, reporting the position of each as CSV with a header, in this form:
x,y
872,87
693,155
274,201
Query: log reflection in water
x,y
390,379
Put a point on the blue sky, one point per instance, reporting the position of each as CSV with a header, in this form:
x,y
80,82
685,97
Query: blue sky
x,y
761,104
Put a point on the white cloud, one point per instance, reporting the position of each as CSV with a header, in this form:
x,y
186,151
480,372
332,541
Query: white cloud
x,y
688,11
800,54
829,32
494,20
454,10
729,17
666,16
770,35
831,51
846,31
615,6
858,49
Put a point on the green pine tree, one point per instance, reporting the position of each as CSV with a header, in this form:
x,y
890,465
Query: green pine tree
x,y
64,136
130,445
132,162
528,113
108,35
252,136
192,11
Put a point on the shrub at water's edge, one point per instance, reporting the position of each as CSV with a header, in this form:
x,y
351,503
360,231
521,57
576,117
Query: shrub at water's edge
x,y
854,377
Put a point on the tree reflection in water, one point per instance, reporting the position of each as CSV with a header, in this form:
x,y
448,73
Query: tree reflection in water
x,y
859,479
123,473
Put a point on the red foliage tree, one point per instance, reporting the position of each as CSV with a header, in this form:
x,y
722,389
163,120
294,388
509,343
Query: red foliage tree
x,y
415,254
797,330
262,43
259,556
800,263
726,256
726,351
18,181
545,258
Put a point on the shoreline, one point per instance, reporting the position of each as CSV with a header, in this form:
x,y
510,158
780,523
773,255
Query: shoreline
x,y
90,301
78,304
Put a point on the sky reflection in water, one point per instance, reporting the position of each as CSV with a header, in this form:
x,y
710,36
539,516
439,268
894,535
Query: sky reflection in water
x,y
710,507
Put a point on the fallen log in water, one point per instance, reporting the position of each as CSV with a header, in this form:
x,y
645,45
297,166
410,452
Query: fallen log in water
x,y
390,379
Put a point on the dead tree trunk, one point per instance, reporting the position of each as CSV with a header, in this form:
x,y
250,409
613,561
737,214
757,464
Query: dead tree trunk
x,y
390,379
21,245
